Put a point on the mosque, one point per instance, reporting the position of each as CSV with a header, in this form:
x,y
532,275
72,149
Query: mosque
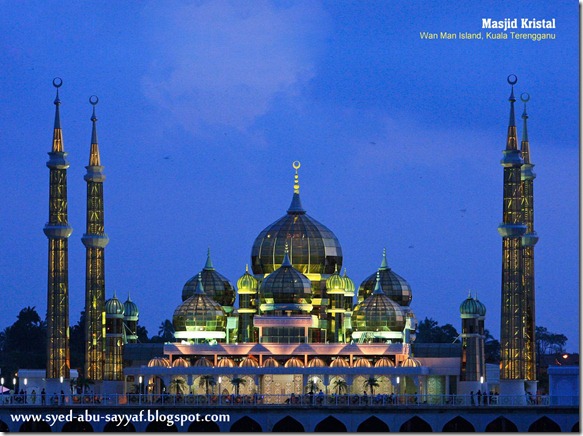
x,y
294,322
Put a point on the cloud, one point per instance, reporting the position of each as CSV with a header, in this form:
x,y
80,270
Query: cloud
x,y
224,62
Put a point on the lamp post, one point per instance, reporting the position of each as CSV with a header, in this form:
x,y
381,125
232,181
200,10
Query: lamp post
x,y
220,380
140,380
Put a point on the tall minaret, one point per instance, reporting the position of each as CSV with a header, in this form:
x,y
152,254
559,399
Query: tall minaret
x,y
58,231
95,241
473,366
512,228
529,240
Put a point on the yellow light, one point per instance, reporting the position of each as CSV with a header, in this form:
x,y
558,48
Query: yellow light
x,y
565,356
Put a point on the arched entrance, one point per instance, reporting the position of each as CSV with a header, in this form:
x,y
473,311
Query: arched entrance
x,y
246,424
544,424
373,424
160,426
114,428
77,426
501,424
415,424
203,426
459,424
35,427
330,424
288,424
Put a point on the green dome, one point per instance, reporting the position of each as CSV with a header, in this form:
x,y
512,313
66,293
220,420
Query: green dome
x,y
393,285
472,306
130,309
348,285
215,285
247,283
113,306
335,284
378,313
286,289
199,313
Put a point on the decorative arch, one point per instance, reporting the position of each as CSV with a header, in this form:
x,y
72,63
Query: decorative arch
x,y
203,427
160,426
4,427
330,425
246,424
459,424
77,426
288,424
501,424
575,428
35,427
416,424
114,428
544,424
373,424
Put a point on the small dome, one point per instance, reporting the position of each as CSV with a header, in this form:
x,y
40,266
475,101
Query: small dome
x,y
294,362
384,362
226,362
199,313
410,363
316,362
130,309
472,306
113,306
378,313
159,362
203,361
180,363
339,363
361,362
335,284
270,362
215,285
313,248
247,283
393,285
249,362
286,289
348,285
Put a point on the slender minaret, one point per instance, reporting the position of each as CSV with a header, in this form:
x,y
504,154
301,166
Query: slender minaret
x,y
114,339
58,231
529,240
473,366
512,228
95,241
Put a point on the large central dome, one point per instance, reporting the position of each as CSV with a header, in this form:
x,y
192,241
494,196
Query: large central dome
x,y
313,248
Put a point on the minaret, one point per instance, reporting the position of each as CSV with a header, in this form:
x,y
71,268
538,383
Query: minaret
x,y
247,290
114,339
513,307
529,240
58,230
473,365
95,241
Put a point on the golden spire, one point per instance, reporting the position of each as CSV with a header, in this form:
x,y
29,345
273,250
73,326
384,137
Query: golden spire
x,y
94,158
296,204
57,132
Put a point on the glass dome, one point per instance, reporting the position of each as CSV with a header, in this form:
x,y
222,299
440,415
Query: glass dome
x,y
199,313
215,285
393,285
313,248
472,306
114,307
130,309
378,312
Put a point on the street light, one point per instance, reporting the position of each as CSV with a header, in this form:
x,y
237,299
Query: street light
x,y
220,380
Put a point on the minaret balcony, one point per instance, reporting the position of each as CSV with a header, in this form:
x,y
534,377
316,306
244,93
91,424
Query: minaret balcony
x,y
94,174
526,172
58,160
512,158
95,241
58,231
530,239
512,230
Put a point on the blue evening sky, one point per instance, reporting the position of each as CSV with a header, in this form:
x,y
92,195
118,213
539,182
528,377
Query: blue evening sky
x,y
204,106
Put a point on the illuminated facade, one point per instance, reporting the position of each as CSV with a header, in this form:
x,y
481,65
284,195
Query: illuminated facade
x,y
95,241
58,231
518,239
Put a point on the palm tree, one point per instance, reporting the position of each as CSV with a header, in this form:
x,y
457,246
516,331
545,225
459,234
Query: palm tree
x,y
312,386
178,385
82,382
340,385
371,383
207,381
237,382
166,331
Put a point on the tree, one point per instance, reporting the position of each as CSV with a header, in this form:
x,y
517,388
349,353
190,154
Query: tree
x,y
340,386
371,383
237,382
142,333
77,342
491,348
207,381
548,342
312,385
166,331
178,386
428,331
